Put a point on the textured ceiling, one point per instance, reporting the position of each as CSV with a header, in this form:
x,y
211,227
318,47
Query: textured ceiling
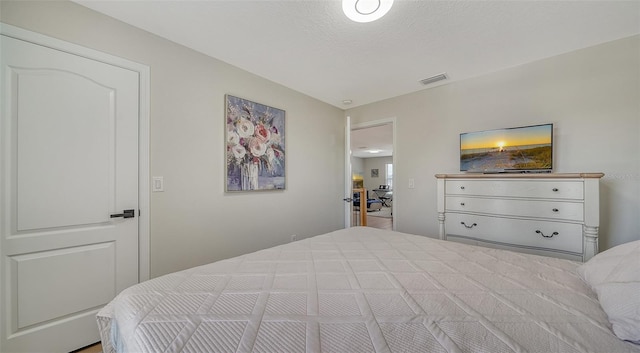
x,y
311,47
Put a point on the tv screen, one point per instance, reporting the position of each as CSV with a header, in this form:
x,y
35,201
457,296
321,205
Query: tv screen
x,y
518,149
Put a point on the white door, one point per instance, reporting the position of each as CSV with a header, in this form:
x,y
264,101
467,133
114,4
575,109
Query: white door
x,y
348,183
69,142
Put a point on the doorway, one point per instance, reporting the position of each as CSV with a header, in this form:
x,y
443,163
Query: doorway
x,y
372,168
69,244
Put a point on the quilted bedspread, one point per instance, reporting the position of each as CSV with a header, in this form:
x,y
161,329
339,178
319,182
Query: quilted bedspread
x,y
364,290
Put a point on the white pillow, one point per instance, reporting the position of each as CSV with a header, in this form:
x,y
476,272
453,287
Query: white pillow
x,y
615,276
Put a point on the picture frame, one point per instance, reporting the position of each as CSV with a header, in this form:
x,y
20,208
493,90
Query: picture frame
x,y
374,173
255,146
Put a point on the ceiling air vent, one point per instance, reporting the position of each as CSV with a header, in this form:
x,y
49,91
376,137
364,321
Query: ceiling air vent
x,y
432,79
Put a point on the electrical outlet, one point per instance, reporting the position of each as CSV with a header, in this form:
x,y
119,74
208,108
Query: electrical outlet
x,y
294,237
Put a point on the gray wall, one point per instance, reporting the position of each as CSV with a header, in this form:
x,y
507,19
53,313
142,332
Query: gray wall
x,y
375,163
591,95
363,166
194,222
357,166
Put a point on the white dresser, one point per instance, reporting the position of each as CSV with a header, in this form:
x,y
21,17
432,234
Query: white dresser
x,y
548,214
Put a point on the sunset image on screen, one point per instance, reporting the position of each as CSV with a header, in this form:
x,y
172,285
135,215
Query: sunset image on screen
x,y
507,149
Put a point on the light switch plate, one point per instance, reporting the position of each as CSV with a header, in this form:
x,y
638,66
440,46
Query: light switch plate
x,y
158,184
412,183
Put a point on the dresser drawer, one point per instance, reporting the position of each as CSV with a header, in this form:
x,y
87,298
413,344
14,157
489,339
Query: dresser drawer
x,y
561,210
545,189
527,233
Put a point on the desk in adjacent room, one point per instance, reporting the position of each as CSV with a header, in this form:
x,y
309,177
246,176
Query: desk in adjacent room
x,y
385,195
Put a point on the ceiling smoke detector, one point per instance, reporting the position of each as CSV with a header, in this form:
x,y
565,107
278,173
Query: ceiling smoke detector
x,y
433,79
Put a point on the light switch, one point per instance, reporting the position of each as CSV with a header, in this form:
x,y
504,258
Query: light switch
x,y
412,183
158,184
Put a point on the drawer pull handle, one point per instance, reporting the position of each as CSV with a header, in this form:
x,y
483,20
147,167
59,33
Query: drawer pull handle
x,y
469,227
462,188
555,210
547,236
461,203
555,189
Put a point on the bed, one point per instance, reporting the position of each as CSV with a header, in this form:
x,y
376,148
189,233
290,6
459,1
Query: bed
x,y
367,290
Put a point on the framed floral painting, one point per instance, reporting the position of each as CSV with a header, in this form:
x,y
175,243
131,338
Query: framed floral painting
x,y
255,146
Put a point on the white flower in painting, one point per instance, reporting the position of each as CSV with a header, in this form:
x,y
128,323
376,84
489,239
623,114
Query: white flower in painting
x,y
233,137
274,138
238,151
245,128
271,155
257,148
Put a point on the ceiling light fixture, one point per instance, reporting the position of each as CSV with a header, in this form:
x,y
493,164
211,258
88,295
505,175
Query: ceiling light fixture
x,y
366,10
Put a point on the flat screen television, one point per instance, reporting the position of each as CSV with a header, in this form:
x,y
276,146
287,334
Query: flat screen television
x,y
518,149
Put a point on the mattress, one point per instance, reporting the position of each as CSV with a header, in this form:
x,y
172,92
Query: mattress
x,y
364,290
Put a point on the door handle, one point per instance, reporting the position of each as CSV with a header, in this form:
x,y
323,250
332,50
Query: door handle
x,y
125,214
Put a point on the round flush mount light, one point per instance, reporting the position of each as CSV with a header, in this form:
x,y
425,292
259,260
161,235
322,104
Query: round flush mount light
x,y
366,10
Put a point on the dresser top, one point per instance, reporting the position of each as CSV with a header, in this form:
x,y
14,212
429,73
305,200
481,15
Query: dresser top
x,y
520,176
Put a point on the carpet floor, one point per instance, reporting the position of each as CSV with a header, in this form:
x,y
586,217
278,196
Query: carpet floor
x,y
383,212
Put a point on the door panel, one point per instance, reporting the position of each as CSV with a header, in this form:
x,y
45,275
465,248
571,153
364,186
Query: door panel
x,y
74,169
69,160
93,281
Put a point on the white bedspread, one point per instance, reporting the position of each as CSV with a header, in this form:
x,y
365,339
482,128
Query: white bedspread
x,y
364,290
